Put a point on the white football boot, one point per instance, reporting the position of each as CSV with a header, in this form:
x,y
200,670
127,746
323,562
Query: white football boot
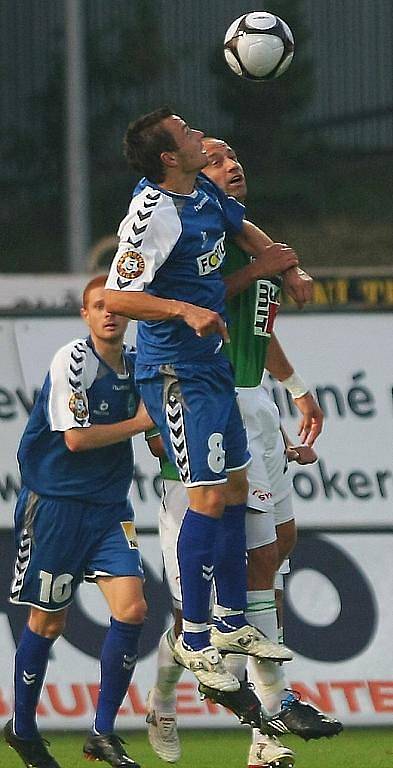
x,y
162,731
207,666
250,641
268,752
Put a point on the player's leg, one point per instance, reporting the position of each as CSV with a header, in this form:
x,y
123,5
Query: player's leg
x,y
190,414
232,631
292,715
31,662
258,500
197,404
161,704
124,595
262,425
230,562
116,566
47,570
268,677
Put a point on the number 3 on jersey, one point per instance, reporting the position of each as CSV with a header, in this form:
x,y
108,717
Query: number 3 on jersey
x,y
216,455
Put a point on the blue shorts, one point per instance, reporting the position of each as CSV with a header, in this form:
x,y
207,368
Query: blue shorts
x,y
62,541
195,408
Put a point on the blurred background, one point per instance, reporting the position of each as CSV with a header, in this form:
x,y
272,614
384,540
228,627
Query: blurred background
x,y
317,147
317,144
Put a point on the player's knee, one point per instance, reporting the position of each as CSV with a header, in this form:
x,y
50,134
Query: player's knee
x,y
262,564
134,613
50,625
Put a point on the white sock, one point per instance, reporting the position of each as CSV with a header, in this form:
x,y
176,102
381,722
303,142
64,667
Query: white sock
x,y
267,676
261,611
237,664
169,672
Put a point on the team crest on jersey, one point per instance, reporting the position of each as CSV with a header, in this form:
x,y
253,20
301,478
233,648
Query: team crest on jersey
x,y
130,265
78,406
130,534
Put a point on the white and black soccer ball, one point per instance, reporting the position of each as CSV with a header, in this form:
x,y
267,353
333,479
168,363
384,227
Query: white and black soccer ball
x,y
259,46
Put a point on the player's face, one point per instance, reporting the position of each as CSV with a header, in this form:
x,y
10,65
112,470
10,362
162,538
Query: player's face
x,y
224,168
103,324
190,155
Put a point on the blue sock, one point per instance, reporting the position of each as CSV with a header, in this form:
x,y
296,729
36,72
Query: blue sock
x,y
31,661
230,568
195,552
118,659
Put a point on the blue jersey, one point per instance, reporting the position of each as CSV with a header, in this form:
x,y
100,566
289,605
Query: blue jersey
x,y
173,246
80,389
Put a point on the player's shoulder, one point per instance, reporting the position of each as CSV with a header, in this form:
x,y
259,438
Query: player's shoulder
x,y
148,209
75,363
148,201
209,186
74,356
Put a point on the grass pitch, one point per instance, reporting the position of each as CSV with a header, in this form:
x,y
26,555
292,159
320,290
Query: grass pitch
x,y
358,748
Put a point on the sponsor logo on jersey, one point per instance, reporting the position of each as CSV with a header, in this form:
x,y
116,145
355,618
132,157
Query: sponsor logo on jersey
x,y
262,495
130,265
201,203
267,304
209,262
103,409
78,406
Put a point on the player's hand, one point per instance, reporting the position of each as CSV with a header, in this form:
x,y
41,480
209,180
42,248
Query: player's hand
x,y
205,321
298,285
274,259
312,418
142,421
302,454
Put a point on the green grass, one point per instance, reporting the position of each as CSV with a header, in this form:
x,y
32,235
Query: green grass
x,y
363,748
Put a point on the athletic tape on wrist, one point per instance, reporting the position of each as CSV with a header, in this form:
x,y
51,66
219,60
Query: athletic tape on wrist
x,y
295,385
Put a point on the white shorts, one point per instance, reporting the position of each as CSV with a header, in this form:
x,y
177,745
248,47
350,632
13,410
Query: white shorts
x,y
260,529
269,480
261,526
174,503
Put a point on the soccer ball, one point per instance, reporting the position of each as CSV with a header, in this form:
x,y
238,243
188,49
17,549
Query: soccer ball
x,y
258,46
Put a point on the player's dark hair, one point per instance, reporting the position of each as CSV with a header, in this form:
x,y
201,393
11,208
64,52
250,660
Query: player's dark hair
x,y
95,282
144,141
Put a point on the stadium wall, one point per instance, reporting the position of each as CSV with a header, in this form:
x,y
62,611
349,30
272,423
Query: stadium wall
x,y
339,592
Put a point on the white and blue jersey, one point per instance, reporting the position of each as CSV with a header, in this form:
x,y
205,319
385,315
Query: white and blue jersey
x,y
80,389
73,518
173,246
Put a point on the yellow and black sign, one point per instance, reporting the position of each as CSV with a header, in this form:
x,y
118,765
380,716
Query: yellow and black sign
x,y
349,292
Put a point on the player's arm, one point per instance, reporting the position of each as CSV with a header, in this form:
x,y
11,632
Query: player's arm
x,y
273,258
241,279
140,305
280,368
100,435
